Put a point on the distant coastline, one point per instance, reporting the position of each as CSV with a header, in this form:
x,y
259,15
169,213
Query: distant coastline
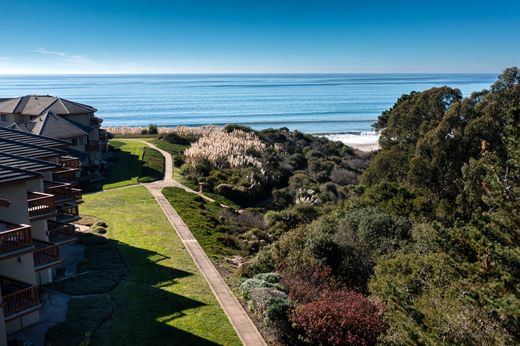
x,y
361,140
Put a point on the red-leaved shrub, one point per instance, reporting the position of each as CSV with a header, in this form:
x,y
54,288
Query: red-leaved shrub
x,y
339,317
305,283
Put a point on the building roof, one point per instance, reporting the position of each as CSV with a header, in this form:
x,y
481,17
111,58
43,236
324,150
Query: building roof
x,y
40,104
26,163
15,126
11,174
29,138
52,125
28,150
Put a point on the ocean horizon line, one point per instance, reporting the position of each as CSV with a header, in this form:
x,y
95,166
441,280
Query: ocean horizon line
x,y
155,74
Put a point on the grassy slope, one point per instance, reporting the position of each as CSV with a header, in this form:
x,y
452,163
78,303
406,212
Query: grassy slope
x,y
164,299
201,217
135,160
153,165
128,167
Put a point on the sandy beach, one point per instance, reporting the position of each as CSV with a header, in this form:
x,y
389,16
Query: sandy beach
x,y
364,141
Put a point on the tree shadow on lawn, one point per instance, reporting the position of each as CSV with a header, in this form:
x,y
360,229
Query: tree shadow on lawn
x,y
123,166
142,304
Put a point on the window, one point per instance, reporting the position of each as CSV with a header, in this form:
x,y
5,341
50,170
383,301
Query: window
x,y
3,117
74,142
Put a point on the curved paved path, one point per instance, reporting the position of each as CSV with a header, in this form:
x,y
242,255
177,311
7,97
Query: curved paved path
x,y
244,327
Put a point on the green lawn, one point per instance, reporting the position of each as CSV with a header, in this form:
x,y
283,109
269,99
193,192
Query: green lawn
x,y
163,300
127,167
152,168
134,162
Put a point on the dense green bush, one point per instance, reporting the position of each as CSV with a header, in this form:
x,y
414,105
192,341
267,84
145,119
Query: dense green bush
x,y
99,230
152,129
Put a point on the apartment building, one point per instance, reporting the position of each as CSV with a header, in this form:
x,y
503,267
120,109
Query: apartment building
x,y
38,202
59,118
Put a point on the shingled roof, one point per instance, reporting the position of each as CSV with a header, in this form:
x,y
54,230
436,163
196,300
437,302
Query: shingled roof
x,y
52,125
11,174
40,104
29,138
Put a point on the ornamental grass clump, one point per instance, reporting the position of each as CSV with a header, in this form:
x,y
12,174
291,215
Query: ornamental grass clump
x,y
221,149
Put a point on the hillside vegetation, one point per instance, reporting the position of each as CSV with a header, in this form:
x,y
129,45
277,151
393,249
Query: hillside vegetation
x,y
418,244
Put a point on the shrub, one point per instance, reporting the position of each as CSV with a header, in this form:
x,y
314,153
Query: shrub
x,y
176,138
233,127
306,283
99,230
339,318
249,284
343,176
261,263
100,224
262,296
178,161
222,149
272,277
152,129
229,240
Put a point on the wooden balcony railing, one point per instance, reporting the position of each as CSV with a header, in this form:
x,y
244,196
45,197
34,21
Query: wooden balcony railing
x,y
69,161
65,174
40,204
45,253
68,214
61,232
18,296
14,237
62,191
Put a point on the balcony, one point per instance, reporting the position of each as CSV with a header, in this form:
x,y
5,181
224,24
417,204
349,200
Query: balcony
x,y
69,162
14,237
45,254
68,214
63,192
95,121
40,204
65,174
61,233
19,298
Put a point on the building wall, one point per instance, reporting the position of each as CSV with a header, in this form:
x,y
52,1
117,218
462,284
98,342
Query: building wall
x,y
35,185
83,118
23,322
45,276
20,268
39,230
17,211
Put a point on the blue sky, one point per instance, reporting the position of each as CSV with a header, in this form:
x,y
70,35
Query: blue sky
x,y
233,36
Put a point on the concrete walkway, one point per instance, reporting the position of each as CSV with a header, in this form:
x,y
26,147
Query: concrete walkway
x,y
168,174
244,327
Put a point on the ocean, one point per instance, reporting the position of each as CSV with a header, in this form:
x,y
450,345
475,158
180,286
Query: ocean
x,y
314,103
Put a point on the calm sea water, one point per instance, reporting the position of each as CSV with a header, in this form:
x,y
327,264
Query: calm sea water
x,y
314,103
